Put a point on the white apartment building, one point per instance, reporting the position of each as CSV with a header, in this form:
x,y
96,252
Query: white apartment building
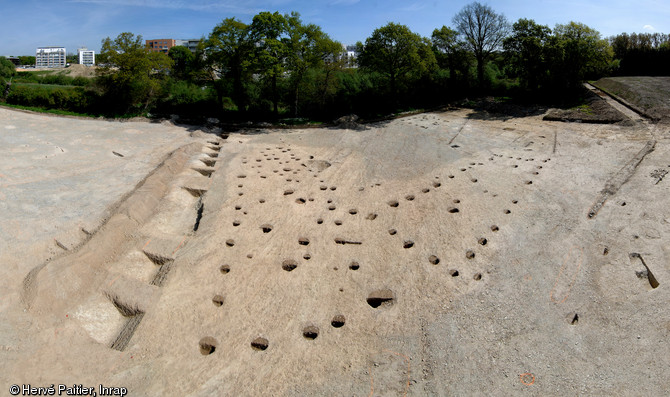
x,y
350,55
191,44
50,57
86,56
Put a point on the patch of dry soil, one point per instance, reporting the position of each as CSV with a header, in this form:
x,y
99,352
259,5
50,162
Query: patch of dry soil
x,y
646,94
437,254
74,70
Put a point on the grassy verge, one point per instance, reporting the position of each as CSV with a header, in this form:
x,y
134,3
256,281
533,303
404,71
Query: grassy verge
x,y
50,111
584,108
51,86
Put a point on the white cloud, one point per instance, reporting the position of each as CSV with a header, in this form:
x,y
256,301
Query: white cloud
x,y
413,7
649,28
344,2
197,5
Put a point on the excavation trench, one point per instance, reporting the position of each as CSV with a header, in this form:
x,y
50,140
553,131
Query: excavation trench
x,y
621,177
48,290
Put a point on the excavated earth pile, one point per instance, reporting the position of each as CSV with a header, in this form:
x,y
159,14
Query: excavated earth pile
x,y
438,254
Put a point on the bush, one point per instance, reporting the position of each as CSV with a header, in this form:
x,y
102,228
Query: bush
x,y
52,79
6,67
81,81
27,77
188,99
75,99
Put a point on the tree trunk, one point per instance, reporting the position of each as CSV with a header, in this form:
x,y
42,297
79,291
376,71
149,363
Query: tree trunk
x,y
295,92
480,70
295,106
394,96
325,89
275,98
219,97
238,92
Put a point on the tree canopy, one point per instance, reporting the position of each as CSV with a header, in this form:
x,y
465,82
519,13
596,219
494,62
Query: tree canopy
x,y
268,34
526,50
450,52
7,68
276,49
642,53
577,52
308,47
398,54
27,59
484,31
276,65
134,73
183,62
228,50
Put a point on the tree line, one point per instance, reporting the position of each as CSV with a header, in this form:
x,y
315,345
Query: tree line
x,y
641,54
279,67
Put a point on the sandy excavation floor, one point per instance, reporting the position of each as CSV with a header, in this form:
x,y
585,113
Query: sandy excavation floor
x,y
60,177
440,254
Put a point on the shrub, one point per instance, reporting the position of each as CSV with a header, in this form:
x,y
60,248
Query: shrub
x,y
188,99
75,99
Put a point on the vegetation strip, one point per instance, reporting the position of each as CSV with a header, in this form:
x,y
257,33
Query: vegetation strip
x,y
280,69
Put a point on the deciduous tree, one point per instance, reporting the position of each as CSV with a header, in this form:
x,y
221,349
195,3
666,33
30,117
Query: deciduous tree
x,y
526,51
133,76
308,47
268,33
398,54
182,62
7,68
577,52
484,31
228,49
27,60
450,52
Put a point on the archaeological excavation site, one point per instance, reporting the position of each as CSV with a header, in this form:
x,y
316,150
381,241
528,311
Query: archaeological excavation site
x,y
461,251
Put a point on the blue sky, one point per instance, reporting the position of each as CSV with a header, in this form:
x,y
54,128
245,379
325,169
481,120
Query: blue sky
x,y
27,24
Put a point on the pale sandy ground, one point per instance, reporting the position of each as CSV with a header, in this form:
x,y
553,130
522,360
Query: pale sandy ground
x,y
61,175
74,70
545,301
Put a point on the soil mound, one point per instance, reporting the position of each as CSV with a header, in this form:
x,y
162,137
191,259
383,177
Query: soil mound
x,y
349,122
647,95
77,70
593,110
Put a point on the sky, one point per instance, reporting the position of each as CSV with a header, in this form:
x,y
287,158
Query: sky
x,y
28,24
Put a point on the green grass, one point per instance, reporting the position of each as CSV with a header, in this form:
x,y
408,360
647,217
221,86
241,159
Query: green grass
x,y
69,113
51,111
40,72
52,86
585,108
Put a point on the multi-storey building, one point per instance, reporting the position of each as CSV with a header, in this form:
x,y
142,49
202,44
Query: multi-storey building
x,y
350,55
191,44
164,45
50,57
160,45
86,56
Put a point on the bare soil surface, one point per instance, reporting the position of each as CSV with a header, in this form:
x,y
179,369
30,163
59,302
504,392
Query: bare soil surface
x,y
443,253
61,178
74,70
596,109
648,95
